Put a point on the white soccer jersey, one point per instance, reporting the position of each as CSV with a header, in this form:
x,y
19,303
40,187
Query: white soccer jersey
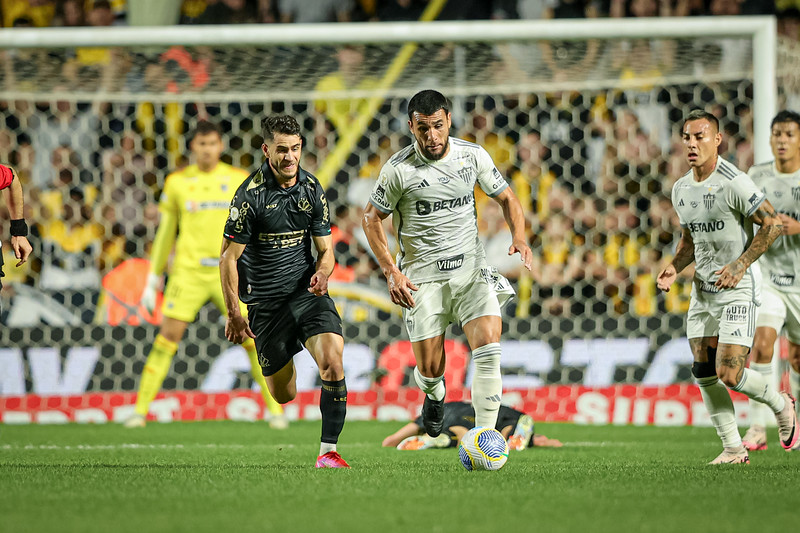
x,y
716,211
780,264
433,208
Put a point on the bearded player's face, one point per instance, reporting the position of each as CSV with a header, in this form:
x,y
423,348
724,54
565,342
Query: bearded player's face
x,y
432,133
283,153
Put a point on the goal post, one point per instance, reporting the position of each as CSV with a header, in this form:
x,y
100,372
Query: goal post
x,y
582,116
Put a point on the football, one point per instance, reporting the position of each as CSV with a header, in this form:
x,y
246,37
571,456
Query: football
x,y
483,449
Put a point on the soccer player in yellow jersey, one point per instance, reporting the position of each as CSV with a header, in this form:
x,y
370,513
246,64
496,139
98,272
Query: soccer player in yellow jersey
x,y
194,206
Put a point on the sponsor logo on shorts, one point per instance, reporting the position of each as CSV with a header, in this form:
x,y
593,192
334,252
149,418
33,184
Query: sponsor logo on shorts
x,y
451,263
782,280
705,286
736,313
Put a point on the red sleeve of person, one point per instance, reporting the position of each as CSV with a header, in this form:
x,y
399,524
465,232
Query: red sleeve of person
x,y
6,176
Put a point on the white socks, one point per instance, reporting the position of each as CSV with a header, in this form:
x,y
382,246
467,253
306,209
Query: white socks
x,y
325,447
756,387
487,385
759,413
433,387
720,406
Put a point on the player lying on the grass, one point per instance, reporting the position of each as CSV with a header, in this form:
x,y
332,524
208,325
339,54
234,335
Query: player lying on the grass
x,y
459,417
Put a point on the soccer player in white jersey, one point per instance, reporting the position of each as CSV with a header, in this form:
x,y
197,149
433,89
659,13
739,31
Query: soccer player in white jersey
x,y
717,205
441,274
780,267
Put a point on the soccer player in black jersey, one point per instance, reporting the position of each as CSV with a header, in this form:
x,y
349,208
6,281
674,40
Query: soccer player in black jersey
x,y
266,260
459,417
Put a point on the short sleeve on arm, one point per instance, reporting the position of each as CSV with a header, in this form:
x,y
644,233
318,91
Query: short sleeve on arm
x,y
6,177
744,196
489,178
675,205
387,190
321,221
241,216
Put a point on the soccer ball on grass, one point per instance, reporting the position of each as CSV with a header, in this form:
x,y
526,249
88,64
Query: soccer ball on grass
x,y
483,449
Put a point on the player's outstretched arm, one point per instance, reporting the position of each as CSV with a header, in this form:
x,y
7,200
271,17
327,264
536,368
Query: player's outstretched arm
x,y
515,218
14,198
325,264
770,228
684,256
237,329
398,436
400,286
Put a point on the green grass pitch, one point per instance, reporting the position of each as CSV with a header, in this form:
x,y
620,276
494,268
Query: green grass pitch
x,y
240,477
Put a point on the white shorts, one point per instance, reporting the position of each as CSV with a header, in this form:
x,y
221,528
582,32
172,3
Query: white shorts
x,y
733,322
779,310
460,299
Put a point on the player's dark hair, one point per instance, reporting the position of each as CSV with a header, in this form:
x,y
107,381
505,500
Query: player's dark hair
x,y
786,116
284,124
427,102
699,114
204,127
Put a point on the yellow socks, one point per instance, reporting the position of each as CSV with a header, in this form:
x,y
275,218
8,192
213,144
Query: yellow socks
x,y
155,370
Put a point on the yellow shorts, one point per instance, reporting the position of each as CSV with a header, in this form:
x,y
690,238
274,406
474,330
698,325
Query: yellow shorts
x,y
187,291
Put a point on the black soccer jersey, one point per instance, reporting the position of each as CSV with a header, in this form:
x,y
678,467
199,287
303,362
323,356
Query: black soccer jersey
x,y
276,224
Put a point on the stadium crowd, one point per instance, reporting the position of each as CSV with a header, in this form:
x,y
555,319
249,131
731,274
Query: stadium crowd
x,y
592,168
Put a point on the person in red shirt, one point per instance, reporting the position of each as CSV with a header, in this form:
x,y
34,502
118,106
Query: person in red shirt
x,y
12,193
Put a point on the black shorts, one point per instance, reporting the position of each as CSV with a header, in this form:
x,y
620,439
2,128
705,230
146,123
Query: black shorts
x,y
281,332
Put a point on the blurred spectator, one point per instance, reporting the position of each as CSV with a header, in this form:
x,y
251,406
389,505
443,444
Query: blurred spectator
x,y
63,124
642,59
789,23
228,12
399,10
303,12
351,74
39,12
70,14
71,248
28,69
568,60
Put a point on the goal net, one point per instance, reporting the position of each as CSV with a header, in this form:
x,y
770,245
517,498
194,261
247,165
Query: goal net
x,y
581,117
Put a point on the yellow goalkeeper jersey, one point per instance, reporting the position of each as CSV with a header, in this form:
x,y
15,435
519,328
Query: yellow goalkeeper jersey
x,y
200,202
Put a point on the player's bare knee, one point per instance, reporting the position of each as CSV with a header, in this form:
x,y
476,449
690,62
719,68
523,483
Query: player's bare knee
x,y
331,368
762,351
286,395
